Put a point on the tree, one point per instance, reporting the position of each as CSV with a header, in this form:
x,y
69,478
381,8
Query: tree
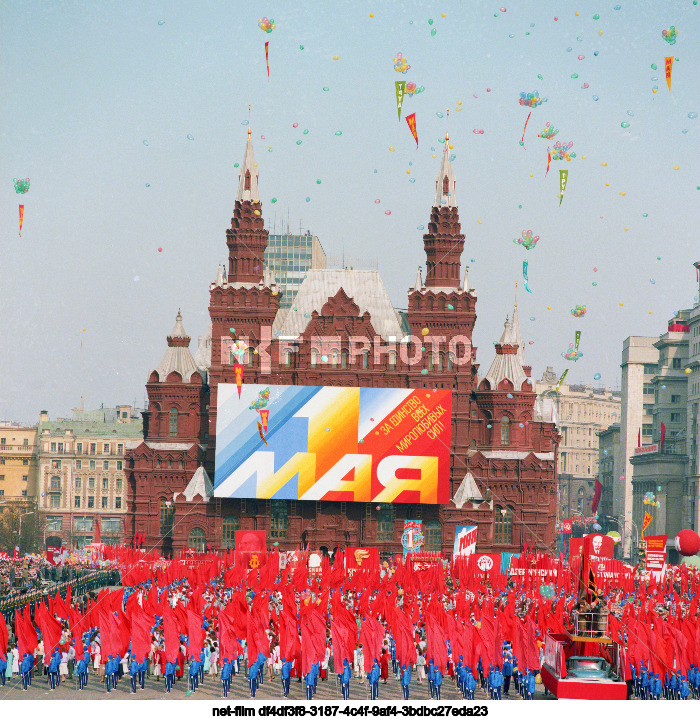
x,y
10,515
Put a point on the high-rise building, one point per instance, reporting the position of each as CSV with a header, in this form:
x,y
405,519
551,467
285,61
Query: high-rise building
x,y
582,412
290,257
342,331
608,455
640,361
81,480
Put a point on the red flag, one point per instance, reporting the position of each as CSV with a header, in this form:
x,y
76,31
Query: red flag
x,y
597,494
3,640
171,634
140,635
229,648
264,416
260,431
267,62
668,64
195,633
411,120
663,437
97,536
238,372
639,438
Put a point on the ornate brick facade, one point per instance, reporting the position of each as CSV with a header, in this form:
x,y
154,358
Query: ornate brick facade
x,y
503,465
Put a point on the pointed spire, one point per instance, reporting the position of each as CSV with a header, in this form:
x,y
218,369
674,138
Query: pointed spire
x,y
516,328
220,279
445,184
248,175
179,329
465,282
419,280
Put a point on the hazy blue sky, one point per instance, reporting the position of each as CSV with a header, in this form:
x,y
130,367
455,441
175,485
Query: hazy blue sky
x,y
86,85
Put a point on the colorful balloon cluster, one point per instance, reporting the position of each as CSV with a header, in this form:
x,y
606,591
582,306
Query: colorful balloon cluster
x,y
650,500
579,311
239,348
267,25
527,240
401,64
670,35
411,88
547,590
561,151
548,132
531,100
572,354
261,401
21,185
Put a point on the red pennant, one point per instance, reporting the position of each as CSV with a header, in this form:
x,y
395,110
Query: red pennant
x,y
411,120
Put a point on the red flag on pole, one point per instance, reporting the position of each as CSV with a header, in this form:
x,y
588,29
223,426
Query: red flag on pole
x,y
663,437
597,494
411,120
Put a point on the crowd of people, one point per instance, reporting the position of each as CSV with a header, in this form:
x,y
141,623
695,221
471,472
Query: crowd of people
x,y
188,620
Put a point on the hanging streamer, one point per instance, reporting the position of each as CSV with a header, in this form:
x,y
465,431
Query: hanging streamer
x,y
527,287
577,338
260,431
561,380
669,65
238,371
21,219
563,178
549,160
264,416
522,140
400,89
267,58
411,120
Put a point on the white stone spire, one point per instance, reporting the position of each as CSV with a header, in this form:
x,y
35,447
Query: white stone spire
x,y
178,329
419,280
248,174
445,183
465,282
220,279
516,328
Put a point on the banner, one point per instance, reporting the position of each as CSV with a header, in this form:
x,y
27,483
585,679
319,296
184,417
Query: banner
x,y
648,518
369,445
412,537
400,86
465,540
251,548
488,563
563,178
668,64
411,120
356,558
567,526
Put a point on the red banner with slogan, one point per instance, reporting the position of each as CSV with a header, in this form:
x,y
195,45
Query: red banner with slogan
x,y
251,548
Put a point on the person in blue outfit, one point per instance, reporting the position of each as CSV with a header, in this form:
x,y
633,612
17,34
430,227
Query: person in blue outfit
x,y
315,673
194,673
431,678
657,688
169,675
507,673
437,682
345,679
405,680
142,672
531,687
374,680
470,684
253,680
684,689
134,671
496,684
260,663
285,676
53,668
81,669
480,669
309,679
201,665
25,669
673,683
392,649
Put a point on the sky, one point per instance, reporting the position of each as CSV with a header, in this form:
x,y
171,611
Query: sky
x,y
129,119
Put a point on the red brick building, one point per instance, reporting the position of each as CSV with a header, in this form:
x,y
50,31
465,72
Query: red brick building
x,y
504,445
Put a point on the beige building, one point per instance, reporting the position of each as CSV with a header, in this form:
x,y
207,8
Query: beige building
x,y
18,463
82,475
582,412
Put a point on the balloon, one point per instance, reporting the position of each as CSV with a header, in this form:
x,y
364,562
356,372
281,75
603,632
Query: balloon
x,y
21,185
401,64
527,240
267,25
687,542
560,151
531,100
579,311
572,354
670,35
548,132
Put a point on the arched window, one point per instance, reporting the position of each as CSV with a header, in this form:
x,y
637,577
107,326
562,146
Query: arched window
x,y
344,359
166,518
433,536
230,526
445,185
278,518
173,421
365,360
250,356
196,540
314,356
392,361
288,358
450,361
334,359
441,361
385,522
503,526
430,362
247,180
505,431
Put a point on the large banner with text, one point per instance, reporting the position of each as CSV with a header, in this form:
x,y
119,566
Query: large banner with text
x,y
311,443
